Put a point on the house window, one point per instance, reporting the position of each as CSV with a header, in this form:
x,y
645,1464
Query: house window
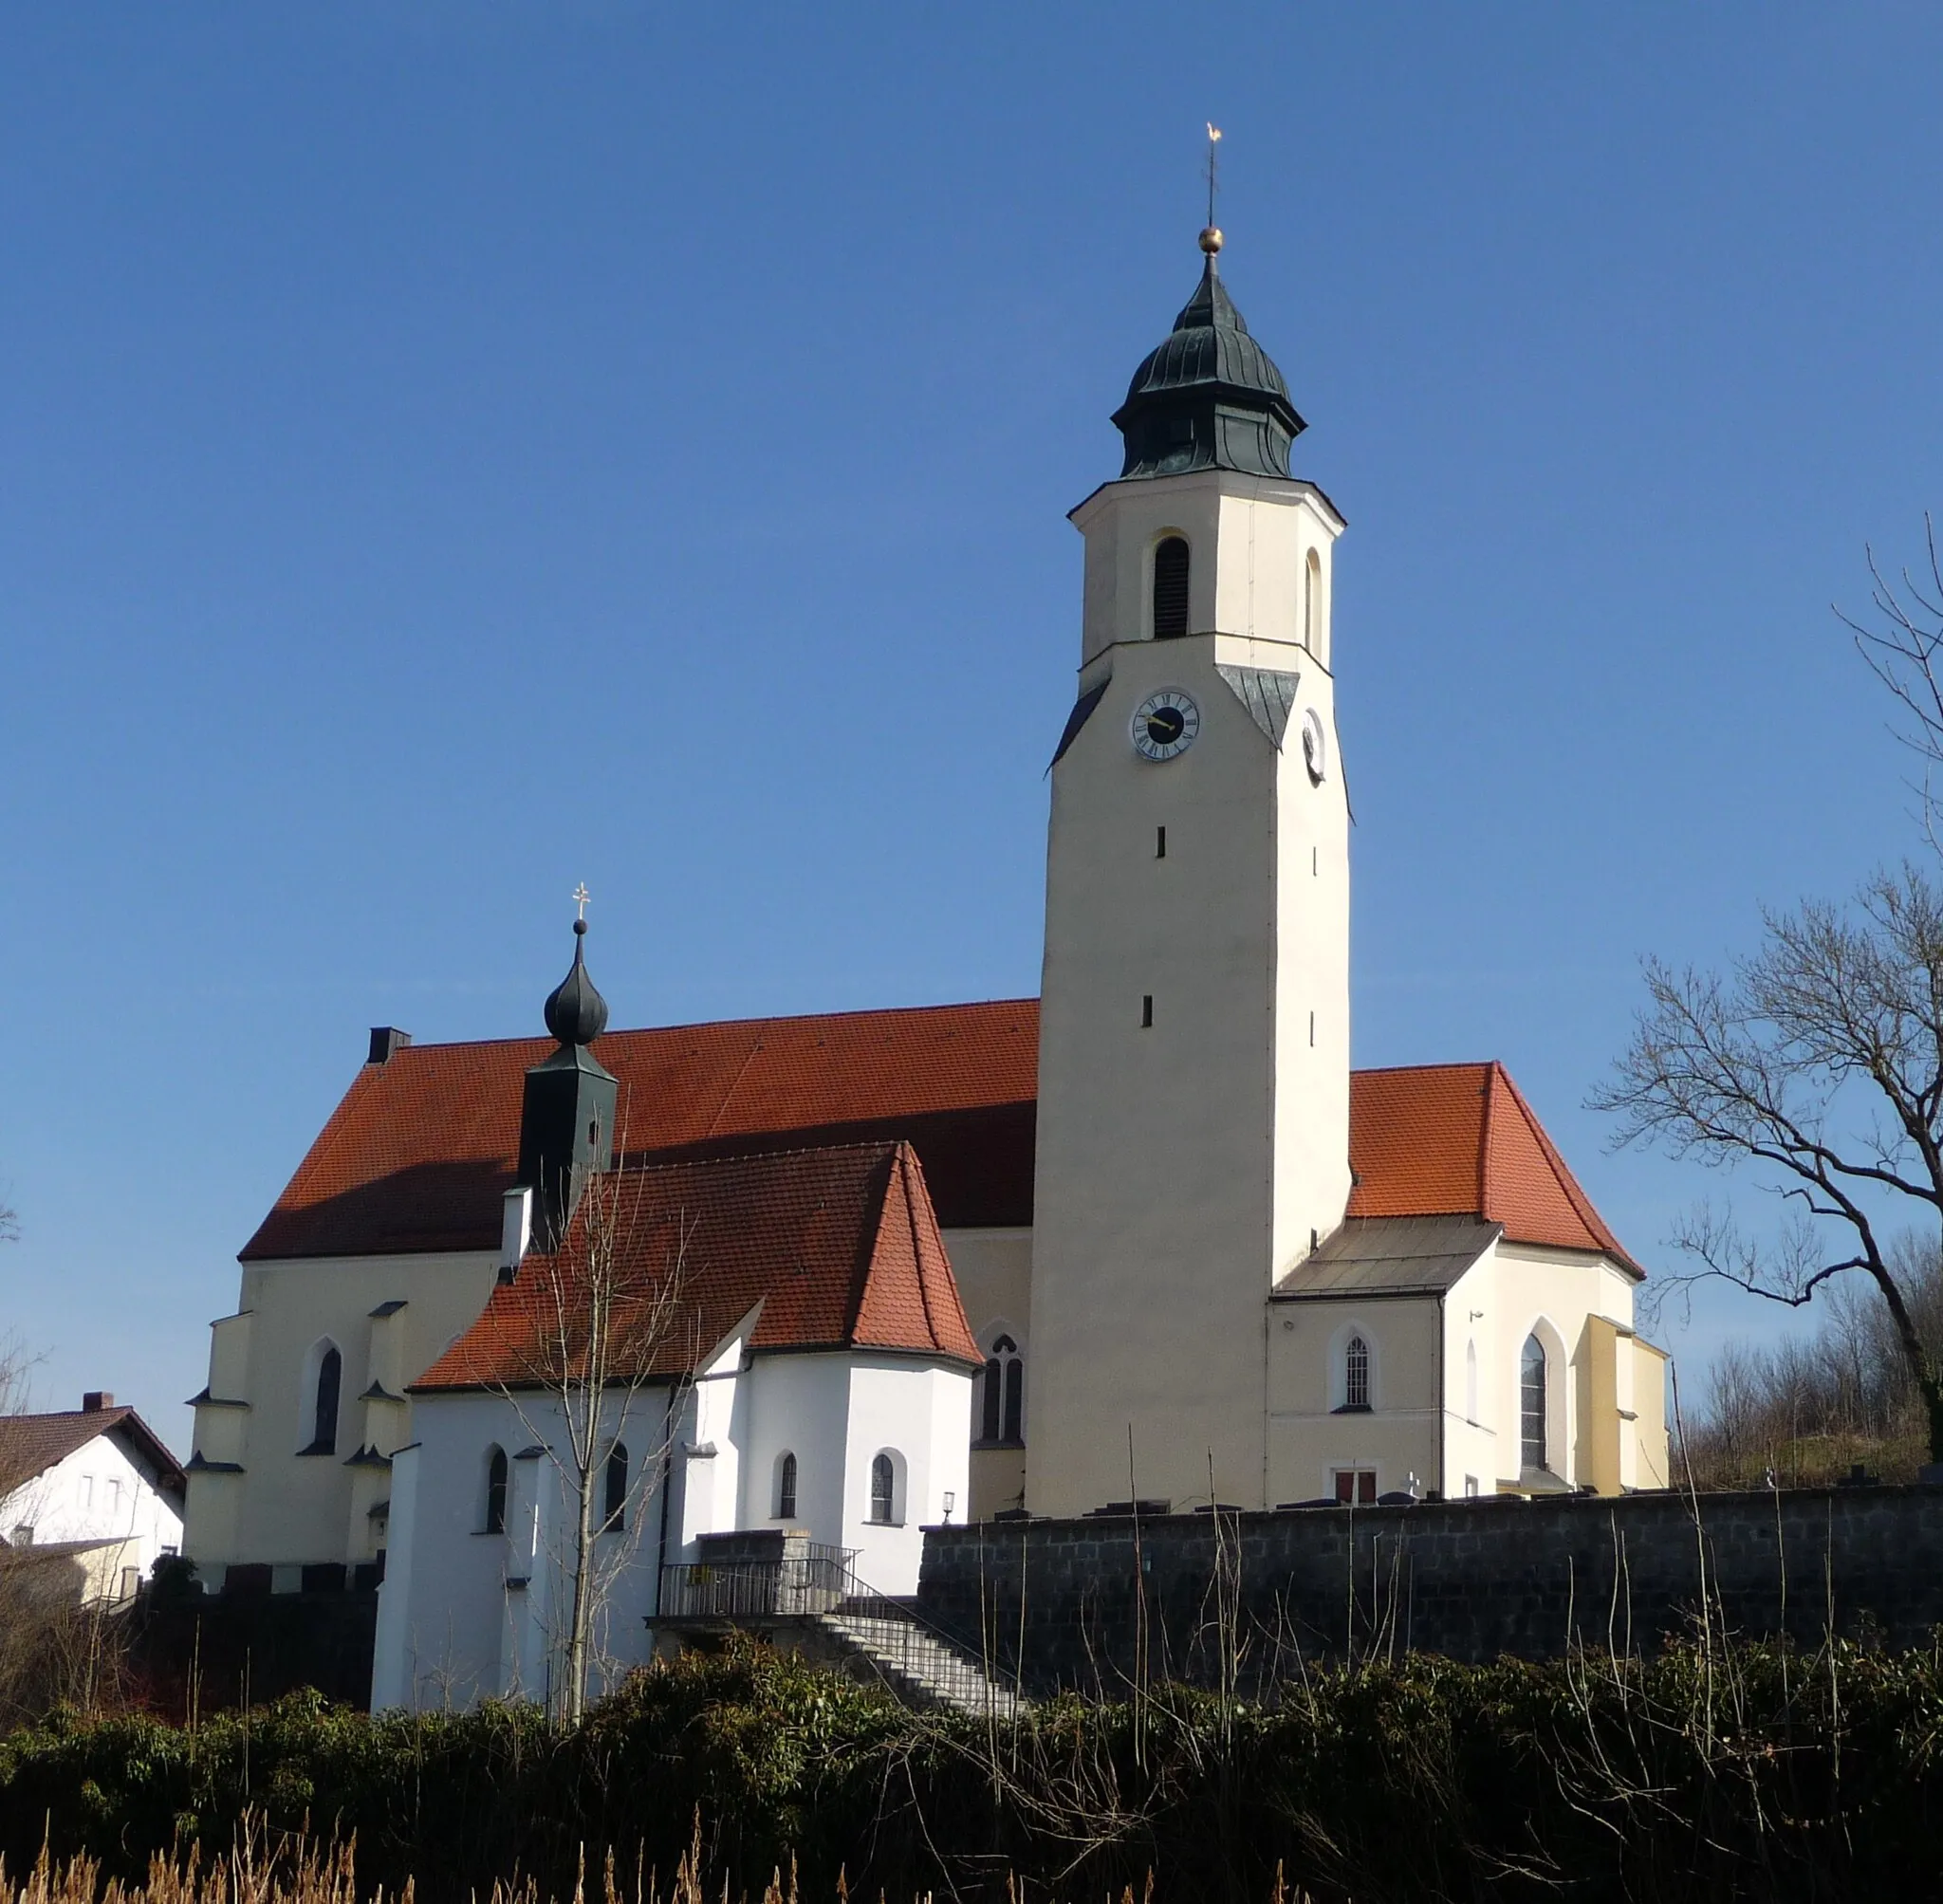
x,y
1470,1486
131,1583
1532,1406
614,1514
883,1491
1355,1374
1002,1404
24,1534
1470,1382
1356,1485
1312,605
323,1399
1170,588
496,1491
786,1487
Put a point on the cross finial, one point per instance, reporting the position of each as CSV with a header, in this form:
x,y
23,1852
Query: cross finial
x,y
581,896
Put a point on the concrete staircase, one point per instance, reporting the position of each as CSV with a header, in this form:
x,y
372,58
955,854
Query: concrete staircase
x,y
921,1667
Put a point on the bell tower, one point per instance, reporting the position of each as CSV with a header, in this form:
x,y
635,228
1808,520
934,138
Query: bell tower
x,y
1194,1068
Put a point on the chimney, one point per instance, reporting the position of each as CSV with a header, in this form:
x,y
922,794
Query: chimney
x,y
387,1041
94,1400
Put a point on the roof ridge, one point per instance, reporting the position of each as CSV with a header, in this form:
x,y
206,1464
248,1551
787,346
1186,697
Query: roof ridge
x,y
416,1050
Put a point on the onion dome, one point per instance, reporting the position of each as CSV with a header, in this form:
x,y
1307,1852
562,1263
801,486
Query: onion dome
x,y
1210,397
576,1013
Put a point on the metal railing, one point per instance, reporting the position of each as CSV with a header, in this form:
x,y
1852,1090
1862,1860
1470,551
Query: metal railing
x,y
816,1581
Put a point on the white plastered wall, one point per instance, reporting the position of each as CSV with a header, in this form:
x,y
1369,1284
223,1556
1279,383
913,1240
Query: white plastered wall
x,y
99,1492
920,1412
1310,1434
289,1510
1182,1167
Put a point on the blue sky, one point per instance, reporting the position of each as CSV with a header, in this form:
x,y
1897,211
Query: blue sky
x,y
451,451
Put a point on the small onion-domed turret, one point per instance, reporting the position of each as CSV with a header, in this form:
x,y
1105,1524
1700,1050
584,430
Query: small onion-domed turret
x,y
576,1013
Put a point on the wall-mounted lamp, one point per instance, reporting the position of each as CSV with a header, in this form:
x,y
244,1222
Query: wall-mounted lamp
x,y
951,1502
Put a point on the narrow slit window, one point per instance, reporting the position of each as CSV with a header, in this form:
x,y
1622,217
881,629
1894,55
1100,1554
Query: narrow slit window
x,y
614,1519
1160,843
785,1488
1147,1011
1170,588
495,1493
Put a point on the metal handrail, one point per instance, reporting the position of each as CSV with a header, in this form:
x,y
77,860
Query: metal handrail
x,y
813,1581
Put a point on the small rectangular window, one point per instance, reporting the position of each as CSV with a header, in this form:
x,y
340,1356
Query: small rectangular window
x,y
1315,862
1313,1027
1160,843
1147,1012
1356,1485
1470,1486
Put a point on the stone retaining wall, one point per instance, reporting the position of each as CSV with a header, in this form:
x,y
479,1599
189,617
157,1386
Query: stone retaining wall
x,y
1082,1604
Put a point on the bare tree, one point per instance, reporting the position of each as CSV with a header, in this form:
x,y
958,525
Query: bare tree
x,y
608,1308
1904,651
1820,1062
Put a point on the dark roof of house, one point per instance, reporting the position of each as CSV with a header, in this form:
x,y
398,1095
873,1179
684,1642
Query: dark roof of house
x,y
839,1247
31,1444
420,1150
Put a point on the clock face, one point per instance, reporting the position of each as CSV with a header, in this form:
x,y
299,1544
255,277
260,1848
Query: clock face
x,y
1165,724
1314,752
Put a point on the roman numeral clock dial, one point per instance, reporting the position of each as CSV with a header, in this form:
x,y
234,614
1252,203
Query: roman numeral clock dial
x,y
1165,724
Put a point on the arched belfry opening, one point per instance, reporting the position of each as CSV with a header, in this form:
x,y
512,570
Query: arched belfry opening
x,y
1171,558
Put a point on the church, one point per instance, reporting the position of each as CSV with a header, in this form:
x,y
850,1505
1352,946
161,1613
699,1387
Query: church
x,y
1147,1237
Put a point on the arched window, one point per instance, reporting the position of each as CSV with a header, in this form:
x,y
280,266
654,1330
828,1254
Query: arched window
x,y
496,1491
1170,588
326,1378
1002,1404
786,1487
1312,605
1470,1382
883,1491
1356,1373
1532,1406
614,1517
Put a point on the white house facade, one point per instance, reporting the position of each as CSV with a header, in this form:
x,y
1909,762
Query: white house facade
x,y
93,1490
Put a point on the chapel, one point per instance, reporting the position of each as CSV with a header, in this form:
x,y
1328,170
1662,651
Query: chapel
x,y
1146,1237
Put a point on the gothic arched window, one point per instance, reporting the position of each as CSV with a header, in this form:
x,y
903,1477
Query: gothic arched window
x,y
883,1491
321,1402
1312,605
1531,1405
496,1491
786,1487
1002,1403
1170,588
1356,1373
614,1516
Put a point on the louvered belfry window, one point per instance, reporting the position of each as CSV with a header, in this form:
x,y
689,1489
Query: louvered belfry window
x,y
1170,588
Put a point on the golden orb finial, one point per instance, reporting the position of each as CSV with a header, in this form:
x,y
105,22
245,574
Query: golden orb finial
x,y
1211,239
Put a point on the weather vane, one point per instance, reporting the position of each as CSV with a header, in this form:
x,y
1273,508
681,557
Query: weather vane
x,y
581,896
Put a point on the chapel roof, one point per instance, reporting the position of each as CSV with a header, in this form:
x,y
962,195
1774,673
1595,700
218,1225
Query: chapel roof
x,y
1459,1140
421,1149
31,1444
839,1244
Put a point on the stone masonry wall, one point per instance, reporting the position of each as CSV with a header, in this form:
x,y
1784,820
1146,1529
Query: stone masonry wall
x,y
1084,1603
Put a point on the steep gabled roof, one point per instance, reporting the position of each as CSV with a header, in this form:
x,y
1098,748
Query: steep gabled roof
x,y
839,1245
31,1444
1459,1140
418,1153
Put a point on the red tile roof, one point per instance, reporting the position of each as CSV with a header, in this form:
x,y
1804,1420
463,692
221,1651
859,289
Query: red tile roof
x,y
839,1245
31,1444
418,1154
1459,1140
